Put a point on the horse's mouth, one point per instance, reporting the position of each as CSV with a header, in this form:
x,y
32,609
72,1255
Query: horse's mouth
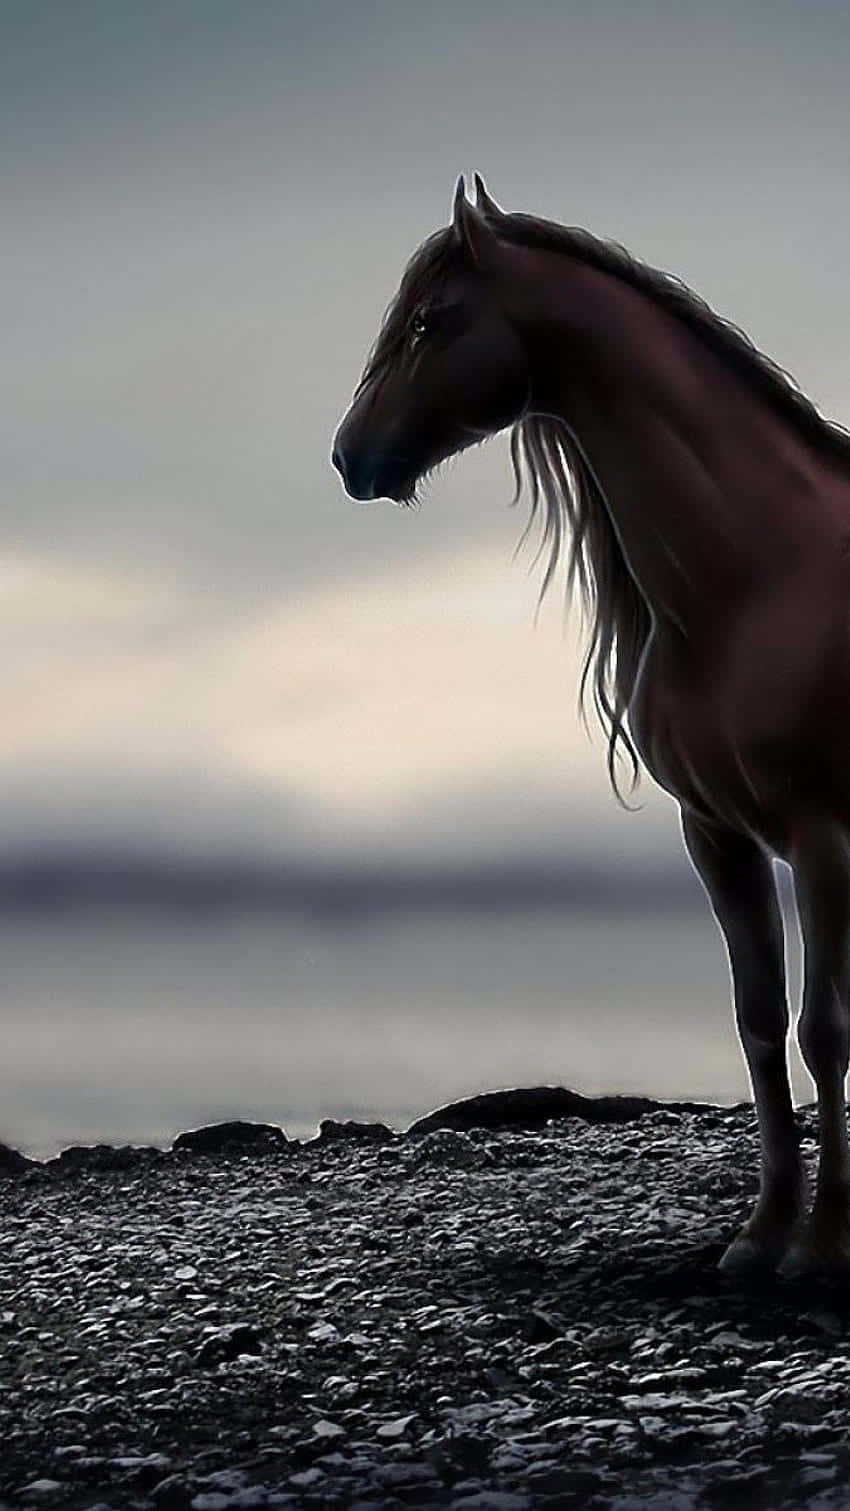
x,y
399,487
405,497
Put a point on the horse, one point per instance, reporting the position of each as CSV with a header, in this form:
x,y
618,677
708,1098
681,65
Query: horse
x,y
707,504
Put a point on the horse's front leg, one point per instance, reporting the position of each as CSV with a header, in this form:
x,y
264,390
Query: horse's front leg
x,y
738,876
820,856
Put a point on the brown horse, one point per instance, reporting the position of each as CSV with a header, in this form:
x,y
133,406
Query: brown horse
x,y
709,510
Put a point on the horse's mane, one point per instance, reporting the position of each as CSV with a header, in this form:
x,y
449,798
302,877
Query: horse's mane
x,y
619,615
557,470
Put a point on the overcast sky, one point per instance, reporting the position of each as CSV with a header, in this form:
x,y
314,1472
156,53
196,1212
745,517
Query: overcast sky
x,y
206,647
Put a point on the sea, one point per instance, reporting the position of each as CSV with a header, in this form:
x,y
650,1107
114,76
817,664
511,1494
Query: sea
x,y
128,1025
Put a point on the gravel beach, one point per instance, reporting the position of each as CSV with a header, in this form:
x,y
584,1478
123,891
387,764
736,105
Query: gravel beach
x,y
488,1318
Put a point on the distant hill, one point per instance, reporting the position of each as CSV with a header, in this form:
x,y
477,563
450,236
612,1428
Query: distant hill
x,y
50,882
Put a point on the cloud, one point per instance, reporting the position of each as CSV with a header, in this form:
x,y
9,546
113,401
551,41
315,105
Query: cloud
x,y
415,712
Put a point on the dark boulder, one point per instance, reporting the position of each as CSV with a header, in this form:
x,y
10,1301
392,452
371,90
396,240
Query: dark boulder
x,y
12,1162
236,1137
101,1157
333,1132
531,1108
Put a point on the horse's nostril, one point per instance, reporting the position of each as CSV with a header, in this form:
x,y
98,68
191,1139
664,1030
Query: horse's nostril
x,y
356,472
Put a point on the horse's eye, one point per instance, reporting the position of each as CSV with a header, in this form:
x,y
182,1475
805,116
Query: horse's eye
x,y
418,325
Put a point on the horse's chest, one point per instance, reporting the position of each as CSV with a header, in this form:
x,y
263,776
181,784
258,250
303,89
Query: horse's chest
x,y
702,748
687,756
757,724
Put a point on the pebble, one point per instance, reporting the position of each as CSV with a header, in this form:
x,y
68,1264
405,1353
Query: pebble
x,y
390,1431
327,1431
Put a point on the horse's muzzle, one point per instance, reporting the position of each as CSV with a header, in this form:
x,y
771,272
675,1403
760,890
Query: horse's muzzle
x,y
367,475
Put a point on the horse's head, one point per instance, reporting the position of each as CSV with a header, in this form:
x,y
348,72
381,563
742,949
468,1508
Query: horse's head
x,y
447,370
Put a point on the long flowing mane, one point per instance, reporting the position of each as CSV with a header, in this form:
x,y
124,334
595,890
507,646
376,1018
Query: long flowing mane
x,y
618,614
558,474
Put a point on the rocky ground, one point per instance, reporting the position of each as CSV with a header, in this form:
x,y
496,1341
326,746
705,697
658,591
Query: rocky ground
x,y
488,1319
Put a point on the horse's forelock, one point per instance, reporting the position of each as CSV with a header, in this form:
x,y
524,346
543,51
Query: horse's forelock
x,y
426,267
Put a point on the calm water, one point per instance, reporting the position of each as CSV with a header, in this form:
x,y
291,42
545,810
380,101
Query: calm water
x,y
130,1027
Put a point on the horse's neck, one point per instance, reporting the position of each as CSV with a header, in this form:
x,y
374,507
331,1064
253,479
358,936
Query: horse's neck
x,y
710,491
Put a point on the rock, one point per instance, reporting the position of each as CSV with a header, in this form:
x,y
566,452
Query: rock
x,y
404,1473
223,1480
541,1327
399,1427
574,1486
226,1343
172,1494
491,1500
466,1453
826,1322
305,1453
12,1162
222,1138
533,1107
328,1431
81,1157
144,1470
324,1332
332,1132
305,1478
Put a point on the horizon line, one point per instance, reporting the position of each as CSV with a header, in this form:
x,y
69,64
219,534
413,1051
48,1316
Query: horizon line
x,y
34,882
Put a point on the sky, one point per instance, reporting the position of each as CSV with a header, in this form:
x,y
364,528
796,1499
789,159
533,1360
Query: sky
x,y
207,649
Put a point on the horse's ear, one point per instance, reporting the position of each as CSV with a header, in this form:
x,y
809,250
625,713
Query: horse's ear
x,y
483,201
472,231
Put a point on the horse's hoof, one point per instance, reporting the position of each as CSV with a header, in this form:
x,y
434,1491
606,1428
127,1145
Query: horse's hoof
x,y
746,1257
801,1261
796,1263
